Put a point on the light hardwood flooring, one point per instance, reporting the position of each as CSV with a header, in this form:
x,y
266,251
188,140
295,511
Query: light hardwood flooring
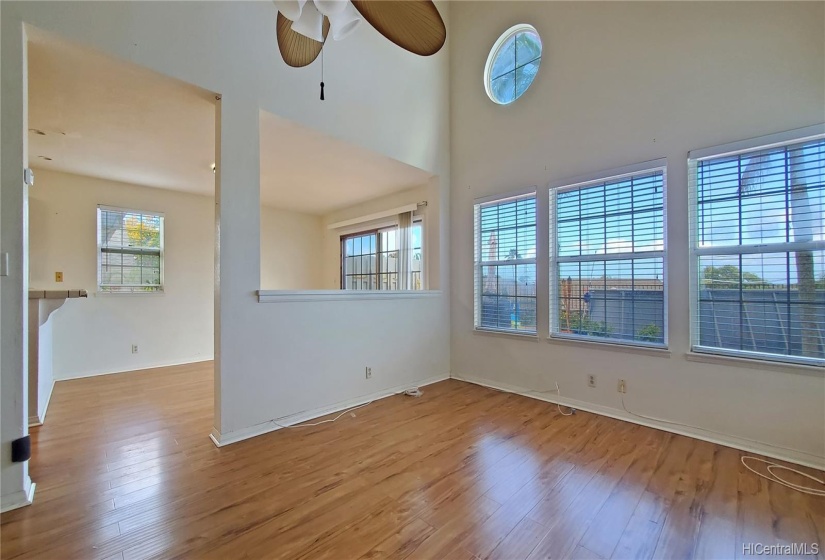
x,y
125,470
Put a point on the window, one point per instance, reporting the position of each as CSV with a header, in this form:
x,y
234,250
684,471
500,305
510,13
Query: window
x,y
130,251
607,244
758,248
505,264
370,259
512,64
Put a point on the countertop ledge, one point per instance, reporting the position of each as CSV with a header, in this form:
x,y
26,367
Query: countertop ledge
x,y
57,294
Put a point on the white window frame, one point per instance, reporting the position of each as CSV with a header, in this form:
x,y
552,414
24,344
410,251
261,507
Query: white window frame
x,y
493,56
132,290
478,263
376,227
816,132
419,219
583,181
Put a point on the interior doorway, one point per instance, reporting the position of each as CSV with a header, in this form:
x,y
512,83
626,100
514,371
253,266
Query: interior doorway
x,y
121,224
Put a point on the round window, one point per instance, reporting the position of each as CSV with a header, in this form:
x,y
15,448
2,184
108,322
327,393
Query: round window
x,y
512,64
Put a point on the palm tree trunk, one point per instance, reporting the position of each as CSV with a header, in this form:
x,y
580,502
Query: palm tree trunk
x,y
801,216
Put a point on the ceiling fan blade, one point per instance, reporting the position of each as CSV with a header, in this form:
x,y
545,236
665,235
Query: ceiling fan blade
x,y
413,25
296,49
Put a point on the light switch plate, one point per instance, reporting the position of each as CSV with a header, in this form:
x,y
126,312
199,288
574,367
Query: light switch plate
x,y
58,276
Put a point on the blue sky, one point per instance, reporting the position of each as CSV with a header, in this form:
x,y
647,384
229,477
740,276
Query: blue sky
x,y
626,215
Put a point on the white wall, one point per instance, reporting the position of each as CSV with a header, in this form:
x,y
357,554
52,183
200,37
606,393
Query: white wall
x,y
95,335
378,96
290,250
332,237
622,83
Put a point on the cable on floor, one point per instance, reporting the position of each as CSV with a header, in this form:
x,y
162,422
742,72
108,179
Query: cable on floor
x,y
779,480
329,420
558,392
771,465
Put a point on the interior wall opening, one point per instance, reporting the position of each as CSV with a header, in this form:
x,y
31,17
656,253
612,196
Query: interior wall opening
x,y
121,218
336,216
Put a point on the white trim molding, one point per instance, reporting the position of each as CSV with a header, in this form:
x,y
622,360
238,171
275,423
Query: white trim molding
x,y
290,296
221,440
154,365
765,142
792,456
19,499
36,420
375,216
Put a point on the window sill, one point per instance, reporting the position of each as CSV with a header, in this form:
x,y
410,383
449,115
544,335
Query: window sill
x,y
103,293
507,334
611,346
753,363
291,296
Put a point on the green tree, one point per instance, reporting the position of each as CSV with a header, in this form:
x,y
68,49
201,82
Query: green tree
x,y
142,233
730,277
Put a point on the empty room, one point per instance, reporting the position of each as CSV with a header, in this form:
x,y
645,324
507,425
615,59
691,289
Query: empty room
x,y
410,279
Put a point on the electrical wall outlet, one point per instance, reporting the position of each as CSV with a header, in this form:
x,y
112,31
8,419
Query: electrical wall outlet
x,y
134,349
591,381
58,276
368,373
622,386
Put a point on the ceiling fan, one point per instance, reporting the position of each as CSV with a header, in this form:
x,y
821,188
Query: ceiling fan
x,y
303,25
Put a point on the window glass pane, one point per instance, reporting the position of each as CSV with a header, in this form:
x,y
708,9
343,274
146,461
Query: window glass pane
x,y
505,60
360,261
762,300
130,258
619,298
504,87
513,64
525,76
757,303
506,295
528,47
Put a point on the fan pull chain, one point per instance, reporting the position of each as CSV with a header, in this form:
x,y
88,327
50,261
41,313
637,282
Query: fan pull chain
x,y
322,75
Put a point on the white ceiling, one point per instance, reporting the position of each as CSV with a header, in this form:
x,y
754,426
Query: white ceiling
x,y
110,119
307,171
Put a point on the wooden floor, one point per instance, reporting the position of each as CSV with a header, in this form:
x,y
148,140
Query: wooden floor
x,y
124,469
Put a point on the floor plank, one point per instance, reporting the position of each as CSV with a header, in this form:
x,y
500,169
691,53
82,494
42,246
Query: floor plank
x,y
462,472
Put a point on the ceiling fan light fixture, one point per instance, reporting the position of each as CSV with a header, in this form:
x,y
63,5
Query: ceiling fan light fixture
x,y
331,7
343,23
310,24
291,9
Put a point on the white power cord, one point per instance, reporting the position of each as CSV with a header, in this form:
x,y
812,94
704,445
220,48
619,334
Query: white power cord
x,y
558,392
779,480
329,420
771,465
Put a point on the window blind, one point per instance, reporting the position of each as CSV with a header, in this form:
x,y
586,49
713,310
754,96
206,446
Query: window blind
x,y
607,259
759,252
130,250
505,264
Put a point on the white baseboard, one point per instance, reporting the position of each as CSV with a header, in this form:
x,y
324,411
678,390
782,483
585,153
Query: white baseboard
x,y
235,436
18,499
36,419
48,400
137,367
759,448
